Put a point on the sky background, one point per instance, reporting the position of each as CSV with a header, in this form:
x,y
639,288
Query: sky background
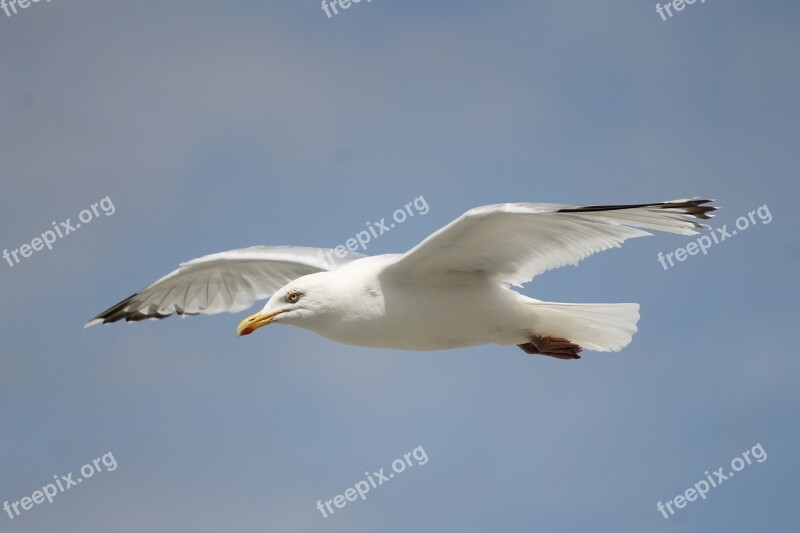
x,y
220,125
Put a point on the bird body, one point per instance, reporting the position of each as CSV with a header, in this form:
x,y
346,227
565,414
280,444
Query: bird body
x,y
453,290
434,315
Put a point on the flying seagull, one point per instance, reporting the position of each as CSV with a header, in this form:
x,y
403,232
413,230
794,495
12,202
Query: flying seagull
x,y
452,290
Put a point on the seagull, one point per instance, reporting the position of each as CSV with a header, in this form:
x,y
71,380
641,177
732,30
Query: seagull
x,y
452,290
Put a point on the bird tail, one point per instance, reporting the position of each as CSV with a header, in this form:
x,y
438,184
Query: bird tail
x,y
599,327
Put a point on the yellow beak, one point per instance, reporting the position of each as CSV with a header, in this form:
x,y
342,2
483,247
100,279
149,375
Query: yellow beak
x,y
253,322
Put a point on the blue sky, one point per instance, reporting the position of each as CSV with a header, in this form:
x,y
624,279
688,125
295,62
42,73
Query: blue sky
x,y
214,126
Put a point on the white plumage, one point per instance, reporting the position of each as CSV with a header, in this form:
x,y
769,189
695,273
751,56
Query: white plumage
x,y
451,290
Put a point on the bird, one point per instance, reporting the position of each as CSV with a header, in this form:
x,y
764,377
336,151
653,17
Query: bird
x,y
455,289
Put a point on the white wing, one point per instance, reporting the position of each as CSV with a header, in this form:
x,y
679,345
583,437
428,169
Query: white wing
x,y
513,243
227,281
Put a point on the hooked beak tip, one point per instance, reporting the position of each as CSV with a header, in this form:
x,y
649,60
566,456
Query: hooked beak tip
x,y
253,322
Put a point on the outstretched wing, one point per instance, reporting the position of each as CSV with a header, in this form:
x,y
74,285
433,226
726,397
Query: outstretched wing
x,y
513,243
228,281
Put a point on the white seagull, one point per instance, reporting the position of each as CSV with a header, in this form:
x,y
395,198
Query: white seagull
x,y
450,291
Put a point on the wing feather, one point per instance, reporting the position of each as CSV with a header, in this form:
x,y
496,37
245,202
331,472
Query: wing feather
x,y
228,281
513,243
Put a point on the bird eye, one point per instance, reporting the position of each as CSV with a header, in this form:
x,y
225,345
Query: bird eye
x,y
293,296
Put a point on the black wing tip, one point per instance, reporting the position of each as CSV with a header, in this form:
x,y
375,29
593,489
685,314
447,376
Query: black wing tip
x,y
121,311
694,207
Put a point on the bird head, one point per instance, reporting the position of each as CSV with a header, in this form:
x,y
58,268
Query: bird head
x,y
295,303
